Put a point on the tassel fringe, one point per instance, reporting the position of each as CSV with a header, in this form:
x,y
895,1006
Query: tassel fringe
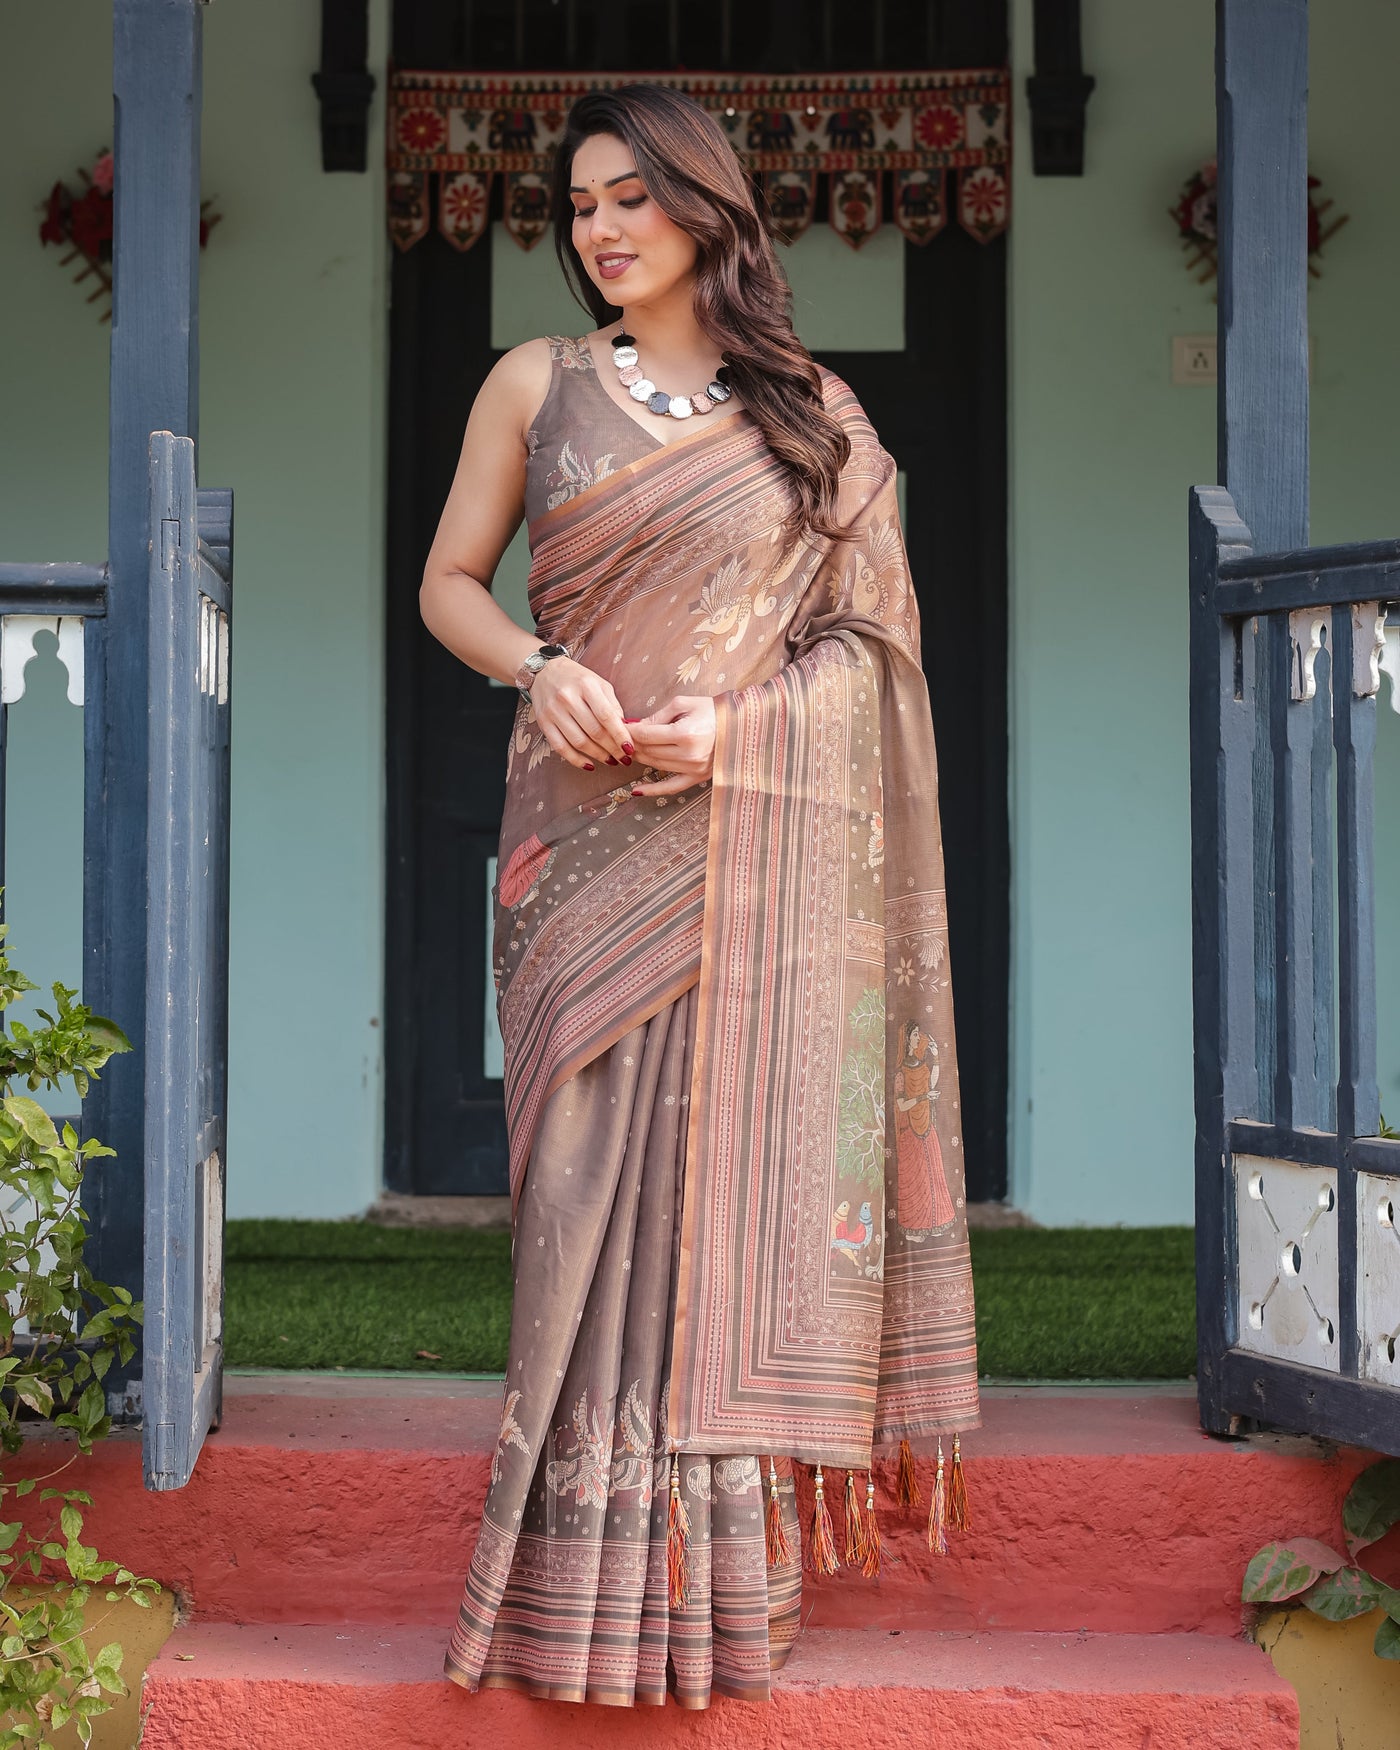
x,y
907,1491
957,1490
870,1553
938,1511
862,1544
677,1543
779,1546
821,1555
854,1552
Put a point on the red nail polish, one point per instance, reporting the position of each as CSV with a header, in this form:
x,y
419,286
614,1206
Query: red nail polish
x,y
588,766
636,792
627,761
611,760
631,719
627,747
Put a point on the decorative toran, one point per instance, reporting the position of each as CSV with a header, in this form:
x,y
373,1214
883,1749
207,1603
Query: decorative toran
x,y
886,141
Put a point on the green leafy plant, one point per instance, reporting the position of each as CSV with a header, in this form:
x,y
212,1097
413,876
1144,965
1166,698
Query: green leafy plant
x,y
1330,1585
60,1332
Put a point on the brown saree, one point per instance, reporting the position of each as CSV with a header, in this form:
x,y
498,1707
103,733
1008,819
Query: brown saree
x,y
709,1004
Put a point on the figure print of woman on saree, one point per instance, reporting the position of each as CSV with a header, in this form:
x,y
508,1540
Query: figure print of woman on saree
x,y
720,871
924,1207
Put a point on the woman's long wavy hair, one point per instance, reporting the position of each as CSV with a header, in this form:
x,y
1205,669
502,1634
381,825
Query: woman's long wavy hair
x,y
742,299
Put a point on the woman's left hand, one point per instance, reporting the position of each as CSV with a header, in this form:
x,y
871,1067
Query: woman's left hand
x,y
680,739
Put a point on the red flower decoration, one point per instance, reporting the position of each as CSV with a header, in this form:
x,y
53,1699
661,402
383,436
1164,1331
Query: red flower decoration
x,y
939,127
421,130
90,223
51,231
1196,216
84,222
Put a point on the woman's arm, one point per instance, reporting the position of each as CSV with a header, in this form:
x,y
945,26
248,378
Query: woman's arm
x,y
577,710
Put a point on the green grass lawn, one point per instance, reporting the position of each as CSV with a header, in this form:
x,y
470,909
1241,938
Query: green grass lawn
x,y
1052,1303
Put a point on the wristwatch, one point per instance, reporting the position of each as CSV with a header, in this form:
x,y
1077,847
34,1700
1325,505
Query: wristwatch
x,y
533,663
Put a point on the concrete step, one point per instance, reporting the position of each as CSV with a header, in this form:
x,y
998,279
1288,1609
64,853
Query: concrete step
x,y
1102,1510
222,1687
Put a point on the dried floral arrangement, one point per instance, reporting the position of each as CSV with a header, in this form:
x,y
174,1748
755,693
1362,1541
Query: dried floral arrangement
x,y
1195,216
83,222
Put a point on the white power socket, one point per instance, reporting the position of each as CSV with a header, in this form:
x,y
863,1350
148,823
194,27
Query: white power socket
x,y
1193,358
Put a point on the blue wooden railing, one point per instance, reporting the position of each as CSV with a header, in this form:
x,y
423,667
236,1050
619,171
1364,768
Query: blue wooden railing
x,y
187,862
1296,1188
156,622
1297,1234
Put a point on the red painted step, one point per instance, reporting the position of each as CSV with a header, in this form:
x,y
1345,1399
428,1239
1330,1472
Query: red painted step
x,y
220,1687
1104,1510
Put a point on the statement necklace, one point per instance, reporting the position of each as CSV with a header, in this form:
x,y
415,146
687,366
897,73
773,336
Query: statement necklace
x,y
642,389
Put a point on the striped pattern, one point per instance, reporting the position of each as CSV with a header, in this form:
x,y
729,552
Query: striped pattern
x,y
566,1596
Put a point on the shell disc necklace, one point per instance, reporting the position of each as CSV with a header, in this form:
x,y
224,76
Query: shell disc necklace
x,y
641,388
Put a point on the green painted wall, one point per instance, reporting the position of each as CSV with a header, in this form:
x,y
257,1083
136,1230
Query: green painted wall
x,y
293,373
1103,451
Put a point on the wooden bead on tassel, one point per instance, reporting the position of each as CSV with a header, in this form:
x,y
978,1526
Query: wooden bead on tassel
x,y
870,1555
938,1511
821,1551
854,1552
907,1489
779,1545
957,1490
677,1543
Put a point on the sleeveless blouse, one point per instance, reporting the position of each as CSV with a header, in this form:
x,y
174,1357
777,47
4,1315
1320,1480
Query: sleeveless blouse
x,y
580,435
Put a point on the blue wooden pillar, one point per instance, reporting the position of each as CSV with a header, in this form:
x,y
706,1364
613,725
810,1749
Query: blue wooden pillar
x,y
154,387
1261,99
1262,165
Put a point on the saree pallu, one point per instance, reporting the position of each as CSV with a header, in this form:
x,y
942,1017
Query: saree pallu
x,y
736,1163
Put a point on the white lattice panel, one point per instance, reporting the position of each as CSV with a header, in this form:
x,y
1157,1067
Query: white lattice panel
x,y
1287,1226
1378,1276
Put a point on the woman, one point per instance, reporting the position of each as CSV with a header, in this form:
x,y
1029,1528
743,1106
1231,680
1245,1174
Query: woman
x,y
719,851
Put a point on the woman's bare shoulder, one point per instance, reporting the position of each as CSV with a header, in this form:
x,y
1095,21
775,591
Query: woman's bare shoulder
x,y
520,377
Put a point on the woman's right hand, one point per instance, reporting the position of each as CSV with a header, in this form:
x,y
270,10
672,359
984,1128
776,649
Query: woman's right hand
x,y
580,716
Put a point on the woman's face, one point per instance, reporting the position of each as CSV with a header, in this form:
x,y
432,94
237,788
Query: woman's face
x,y
916,1041
630,250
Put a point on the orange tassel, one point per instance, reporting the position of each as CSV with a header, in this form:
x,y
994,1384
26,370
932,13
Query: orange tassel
x,y
957,1490
677,1543
779,1546
870,1565
821,1555
938,1511
854,1552
907,1491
